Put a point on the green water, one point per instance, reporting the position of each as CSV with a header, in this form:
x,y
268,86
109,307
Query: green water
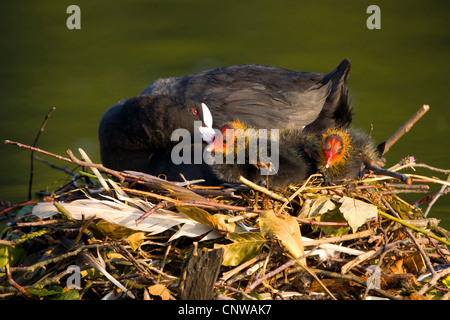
x,y
125,45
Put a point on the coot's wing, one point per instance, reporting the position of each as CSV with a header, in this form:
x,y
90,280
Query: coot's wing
x,y
263,108
261,96
336,111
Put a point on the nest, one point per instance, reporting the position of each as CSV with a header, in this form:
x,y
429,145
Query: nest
x,y
127,235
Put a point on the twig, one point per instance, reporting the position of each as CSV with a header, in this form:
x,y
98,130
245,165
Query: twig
x,y
51,165
418,165
17,206
32,151
26,237
227,275
21,145
437,195
301,220
350,277
118,174
434,180
279,269
321,223
263,190
55,259
404,128
235,290
368,255
410,235
95,171
352,236
405,224
296,193
158,206
14,283
434,280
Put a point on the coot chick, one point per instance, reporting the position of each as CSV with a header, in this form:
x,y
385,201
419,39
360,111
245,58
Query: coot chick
x,y
273,160
340,154
267,97
135,134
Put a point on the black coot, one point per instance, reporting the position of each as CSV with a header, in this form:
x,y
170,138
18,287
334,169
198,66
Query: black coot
x,y
135,134
267,97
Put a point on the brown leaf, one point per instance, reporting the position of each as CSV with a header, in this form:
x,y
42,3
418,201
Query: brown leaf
x,y
135,240
159,290
284,228
200,215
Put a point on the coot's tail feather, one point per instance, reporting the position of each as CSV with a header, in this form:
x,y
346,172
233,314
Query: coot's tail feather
x,y
336,111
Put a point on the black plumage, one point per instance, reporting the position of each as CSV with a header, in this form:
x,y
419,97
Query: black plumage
x,y
339,154
135,134
267,97
275,161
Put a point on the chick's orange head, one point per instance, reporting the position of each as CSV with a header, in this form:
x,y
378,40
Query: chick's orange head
x,y
335,146
226,137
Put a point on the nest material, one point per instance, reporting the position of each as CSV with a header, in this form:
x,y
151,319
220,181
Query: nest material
x,y
309,241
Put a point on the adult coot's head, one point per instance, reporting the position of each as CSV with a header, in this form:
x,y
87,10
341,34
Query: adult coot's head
x,y
137,127
149,120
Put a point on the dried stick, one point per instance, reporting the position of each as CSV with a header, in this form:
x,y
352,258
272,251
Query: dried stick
x,y
30,183
296,193
410,235
352,236
404,128
434,280
405,224
263,190
368,255
235,290
17,206
418,165
14,283
95,171
279,269
120,175
43,264
437,195
350,277
227,275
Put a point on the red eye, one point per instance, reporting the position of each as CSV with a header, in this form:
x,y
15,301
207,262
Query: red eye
x,y
194,111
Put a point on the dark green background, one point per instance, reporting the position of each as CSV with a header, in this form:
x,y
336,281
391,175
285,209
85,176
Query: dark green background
x,y
125,45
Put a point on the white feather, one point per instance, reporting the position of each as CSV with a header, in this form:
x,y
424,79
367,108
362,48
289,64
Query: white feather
x,y
123,215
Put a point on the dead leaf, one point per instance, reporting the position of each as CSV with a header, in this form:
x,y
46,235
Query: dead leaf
x,y
200,215
416,296
285,229
135,240
320,206
245,246
159,290
333,216
397,267
356,212
112,230
414,263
